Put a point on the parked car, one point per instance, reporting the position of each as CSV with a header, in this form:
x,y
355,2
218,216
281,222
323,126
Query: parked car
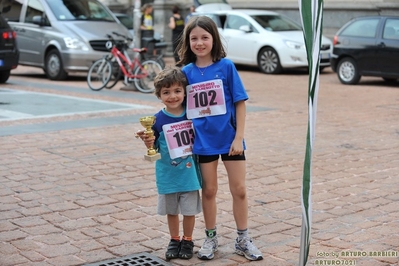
x,y
61,36
211,5
126,21
265,39
367,46
9,53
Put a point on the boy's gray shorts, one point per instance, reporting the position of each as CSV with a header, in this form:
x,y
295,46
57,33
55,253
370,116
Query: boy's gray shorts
x,y
185,203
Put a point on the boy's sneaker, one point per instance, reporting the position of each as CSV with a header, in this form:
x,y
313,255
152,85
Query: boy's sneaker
x,y
246,248
186,249
208,249
173,249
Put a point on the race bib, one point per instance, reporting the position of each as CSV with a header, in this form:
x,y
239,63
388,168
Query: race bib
x,y
179,138
205,99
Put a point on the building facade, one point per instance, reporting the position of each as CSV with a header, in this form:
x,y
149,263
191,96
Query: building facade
x,y
336,12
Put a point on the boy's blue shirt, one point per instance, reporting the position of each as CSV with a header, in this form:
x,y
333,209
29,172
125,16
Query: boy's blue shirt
x,y
173,175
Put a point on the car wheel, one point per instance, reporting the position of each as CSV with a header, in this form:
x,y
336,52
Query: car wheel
x,y
347,71
269,61
54,68
4,75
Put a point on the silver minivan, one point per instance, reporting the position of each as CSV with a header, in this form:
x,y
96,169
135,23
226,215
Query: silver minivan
x,y
61,36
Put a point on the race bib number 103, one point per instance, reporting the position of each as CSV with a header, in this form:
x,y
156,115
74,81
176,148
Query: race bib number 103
x,y
179,138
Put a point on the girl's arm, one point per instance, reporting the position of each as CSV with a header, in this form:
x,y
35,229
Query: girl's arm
x,y
142,26
237,147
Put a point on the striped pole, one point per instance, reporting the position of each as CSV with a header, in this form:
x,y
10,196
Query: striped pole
x,y
311,16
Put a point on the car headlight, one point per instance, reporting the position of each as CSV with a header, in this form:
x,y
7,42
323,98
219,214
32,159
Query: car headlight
x,y
73,43
295,45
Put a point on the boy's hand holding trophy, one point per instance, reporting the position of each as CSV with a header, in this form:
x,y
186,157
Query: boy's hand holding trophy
x,y
147,136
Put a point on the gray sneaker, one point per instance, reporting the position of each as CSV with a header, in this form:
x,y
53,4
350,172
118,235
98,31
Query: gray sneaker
x,y
246,248
208,249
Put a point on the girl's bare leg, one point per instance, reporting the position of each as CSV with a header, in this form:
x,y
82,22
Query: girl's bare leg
x,y
209,190
236,171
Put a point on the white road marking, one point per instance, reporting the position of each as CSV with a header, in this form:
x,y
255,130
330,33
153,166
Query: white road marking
x,y
6,115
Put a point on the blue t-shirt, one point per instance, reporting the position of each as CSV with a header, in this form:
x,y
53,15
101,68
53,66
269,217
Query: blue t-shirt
x,y
215,134
173,175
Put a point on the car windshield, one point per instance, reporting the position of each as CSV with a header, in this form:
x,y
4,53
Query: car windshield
x,y
276,23
203,2
126,21
79,10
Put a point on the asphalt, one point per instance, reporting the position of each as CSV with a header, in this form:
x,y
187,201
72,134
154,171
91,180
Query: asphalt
x,y
75,190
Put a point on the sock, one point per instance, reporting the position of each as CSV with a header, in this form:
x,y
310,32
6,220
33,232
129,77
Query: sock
x,y
211,233
188,238
242,233
177,238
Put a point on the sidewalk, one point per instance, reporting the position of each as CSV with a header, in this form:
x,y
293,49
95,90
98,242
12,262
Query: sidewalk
x,y
85,195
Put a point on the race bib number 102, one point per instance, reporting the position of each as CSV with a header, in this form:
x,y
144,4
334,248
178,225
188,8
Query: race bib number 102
x,y
205,99
179,138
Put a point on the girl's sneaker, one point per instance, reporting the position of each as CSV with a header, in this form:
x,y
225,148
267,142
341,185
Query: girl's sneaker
x,y
173,250
246,248
186,249
208,249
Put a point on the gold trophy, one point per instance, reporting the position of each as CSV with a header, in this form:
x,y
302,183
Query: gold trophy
x,y
148,122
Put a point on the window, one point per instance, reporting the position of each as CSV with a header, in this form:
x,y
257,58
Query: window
x,y
235,22
79,10
362,28
391,29
11,11
35,8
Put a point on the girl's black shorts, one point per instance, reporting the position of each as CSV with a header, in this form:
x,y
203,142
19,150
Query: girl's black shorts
x,y
225,157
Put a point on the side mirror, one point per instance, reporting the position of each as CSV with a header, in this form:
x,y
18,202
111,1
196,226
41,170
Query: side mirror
x,y
245,28
38,20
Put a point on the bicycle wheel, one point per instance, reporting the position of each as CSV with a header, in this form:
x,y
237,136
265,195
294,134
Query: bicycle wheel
x,y
149,69
156,58
99,74
115,77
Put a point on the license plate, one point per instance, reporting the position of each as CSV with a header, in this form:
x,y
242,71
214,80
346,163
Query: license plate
x,y
1,62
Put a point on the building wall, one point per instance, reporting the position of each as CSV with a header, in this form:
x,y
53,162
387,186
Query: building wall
x,y
336,12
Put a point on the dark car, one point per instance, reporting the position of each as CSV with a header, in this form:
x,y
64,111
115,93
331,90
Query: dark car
x,y
367,46
9,54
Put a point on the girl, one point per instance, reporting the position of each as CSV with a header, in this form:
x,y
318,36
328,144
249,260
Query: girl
x,y
216,104
146,18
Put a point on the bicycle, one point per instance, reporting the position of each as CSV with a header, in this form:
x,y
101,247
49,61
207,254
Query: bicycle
x,y
107,71
155,47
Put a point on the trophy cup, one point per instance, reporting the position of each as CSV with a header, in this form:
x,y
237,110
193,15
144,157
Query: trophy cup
x,y
147,122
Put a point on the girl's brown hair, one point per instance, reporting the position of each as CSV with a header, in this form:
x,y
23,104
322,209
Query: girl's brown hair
x,y
186,55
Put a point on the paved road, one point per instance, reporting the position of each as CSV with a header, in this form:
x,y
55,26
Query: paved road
x,y
75,190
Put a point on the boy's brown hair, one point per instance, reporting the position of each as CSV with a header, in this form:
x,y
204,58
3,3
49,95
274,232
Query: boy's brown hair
x,y
168,77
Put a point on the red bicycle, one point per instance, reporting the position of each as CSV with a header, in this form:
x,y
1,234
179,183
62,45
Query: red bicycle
x,y
107,71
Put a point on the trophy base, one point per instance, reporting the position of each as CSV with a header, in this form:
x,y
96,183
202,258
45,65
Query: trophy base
x,y
152,158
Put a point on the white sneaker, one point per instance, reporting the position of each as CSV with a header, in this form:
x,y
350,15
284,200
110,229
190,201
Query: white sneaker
x,y
246,248
208,249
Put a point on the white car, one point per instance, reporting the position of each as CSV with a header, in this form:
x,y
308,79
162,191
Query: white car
x,y
265,39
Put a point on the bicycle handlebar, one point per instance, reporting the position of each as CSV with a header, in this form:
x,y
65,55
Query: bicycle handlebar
x,y
123,36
